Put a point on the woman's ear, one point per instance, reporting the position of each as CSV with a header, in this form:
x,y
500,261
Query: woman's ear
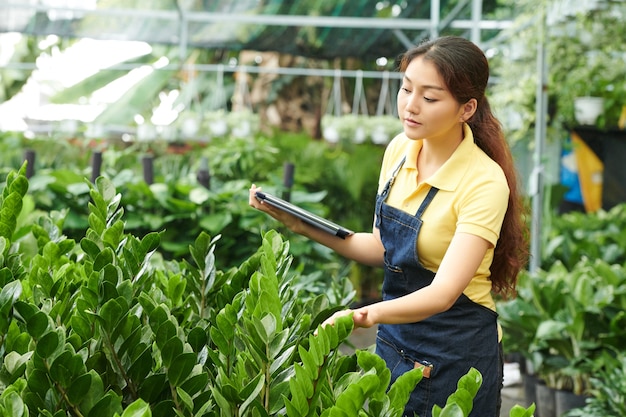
x,y
468,109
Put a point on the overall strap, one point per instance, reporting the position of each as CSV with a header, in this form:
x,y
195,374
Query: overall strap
x,y
393,177
426,202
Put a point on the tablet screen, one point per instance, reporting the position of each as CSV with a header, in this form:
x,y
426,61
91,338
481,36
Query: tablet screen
x,y
304,215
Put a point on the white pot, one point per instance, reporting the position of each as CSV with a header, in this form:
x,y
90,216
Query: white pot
x,y
379,136
218,127
331,134
359,135
587,109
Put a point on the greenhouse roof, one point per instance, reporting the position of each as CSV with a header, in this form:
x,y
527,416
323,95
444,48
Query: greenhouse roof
x,y
310,28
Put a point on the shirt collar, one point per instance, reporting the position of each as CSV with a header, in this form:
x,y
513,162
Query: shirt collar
x,y
451,172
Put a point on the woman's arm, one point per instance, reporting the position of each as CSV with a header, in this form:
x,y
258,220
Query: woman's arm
x,y
365,248
457,269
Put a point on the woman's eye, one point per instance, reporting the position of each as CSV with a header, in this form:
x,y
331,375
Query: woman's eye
x,y
406,90
429,100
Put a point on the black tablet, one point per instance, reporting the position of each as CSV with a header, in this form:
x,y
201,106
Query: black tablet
x,y
304,215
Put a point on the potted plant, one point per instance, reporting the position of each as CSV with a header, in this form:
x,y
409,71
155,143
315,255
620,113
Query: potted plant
x,y
587,60
584,54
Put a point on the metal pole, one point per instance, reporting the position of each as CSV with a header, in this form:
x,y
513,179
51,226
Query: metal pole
x,y
96,165
29,157
537,180
477,12
148,169
288,173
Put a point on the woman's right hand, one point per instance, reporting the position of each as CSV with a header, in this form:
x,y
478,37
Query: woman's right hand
x,y
290,221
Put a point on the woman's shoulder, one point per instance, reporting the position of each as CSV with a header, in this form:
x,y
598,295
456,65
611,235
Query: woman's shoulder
x,y
487,166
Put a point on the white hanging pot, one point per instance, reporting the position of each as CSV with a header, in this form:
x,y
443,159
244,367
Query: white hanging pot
x,y
218,127
242,130
331,134
359,135
588,109
379,136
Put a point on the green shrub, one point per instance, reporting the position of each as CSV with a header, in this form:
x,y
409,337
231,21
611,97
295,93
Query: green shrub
x,y
106,327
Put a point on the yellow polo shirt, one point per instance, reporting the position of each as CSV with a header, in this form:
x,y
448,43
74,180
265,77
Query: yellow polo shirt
x,y
472,198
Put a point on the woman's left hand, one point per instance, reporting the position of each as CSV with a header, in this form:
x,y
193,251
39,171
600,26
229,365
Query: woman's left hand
x,y
360,317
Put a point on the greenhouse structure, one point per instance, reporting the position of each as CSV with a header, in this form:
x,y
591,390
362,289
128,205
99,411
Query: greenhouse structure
x,y
137,280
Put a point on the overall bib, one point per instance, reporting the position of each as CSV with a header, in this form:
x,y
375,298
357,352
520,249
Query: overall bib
x,y
445,345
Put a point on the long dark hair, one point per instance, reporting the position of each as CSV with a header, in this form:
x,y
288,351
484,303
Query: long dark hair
x,y
465,70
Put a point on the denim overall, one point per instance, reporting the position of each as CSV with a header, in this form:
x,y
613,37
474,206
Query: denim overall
x,y
445,345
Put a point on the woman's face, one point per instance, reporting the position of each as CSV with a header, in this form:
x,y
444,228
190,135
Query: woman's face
x,y
425,106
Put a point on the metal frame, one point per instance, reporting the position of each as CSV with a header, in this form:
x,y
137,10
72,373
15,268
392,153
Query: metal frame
x,y
430,27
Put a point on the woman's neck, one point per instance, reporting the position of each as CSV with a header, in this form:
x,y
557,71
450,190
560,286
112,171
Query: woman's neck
x,y
434,153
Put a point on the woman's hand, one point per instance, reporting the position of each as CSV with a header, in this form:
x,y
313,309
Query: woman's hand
x,y
361,317
290,221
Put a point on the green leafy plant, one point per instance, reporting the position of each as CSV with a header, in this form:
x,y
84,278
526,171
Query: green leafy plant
x,y
608,389
566,322
106,327
575,235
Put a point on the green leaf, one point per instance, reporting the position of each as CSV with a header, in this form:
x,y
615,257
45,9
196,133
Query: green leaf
x,y
48,345
197,338
142,364
269,323
14,366
181,368
471,382
9,294
401,389
82,327
95,392
251,391
38,382
111,313
200,248
113,234
171,349
107,190
153,386
158,316
151,242
65,367
37,324
551,329
109,404
216,222
283,359
13,405
97,223
138,408
196,383
103,259
452,410
165,332
79,388
19,185
519,411
184,398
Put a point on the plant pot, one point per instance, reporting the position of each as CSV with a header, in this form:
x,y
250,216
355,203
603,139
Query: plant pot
x,y
380,137
546,404
567,400
530,383
331,134
359,135
588,109
218,127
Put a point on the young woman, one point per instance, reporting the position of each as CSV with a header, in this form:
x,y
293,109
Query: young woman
x,y
448,229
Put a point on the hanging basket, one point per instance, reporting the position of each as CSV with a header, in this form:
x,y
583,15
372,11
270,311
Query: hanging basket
x,y
588,109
